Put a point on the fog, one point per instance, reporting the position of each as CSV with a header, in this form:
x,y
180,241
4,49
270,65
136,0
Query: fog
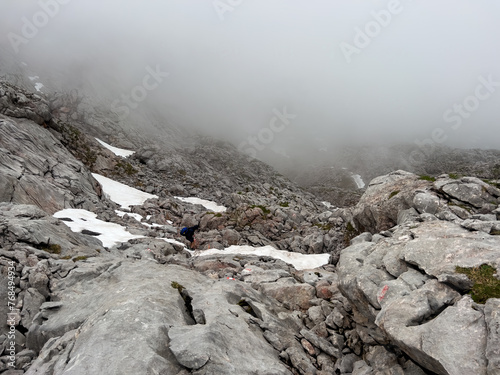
x,y
277,75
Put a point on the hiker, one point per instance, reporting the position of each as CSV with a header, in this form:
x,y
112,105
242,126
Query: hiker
x,y
189,233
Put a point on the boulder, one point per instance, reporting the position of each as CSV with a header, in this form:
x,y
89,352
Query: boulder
x,y
290,293
384,198
492,318
162,320
408,286
471,190
34,164
30,225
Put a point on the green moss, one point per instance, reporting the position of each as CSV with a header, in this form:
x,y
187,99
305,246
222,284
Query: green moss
x,y
454,176
89,157
77,259
78,145
325,227
495,232
492,183
185,296
71,135
427,178
51,248
485,284
284,204
467,208
395,192
350,233
67,257
248,309
177,286
265,210
125,167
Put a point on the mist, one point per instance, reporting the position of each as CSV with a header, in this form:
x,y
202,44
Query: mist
x,y
274,76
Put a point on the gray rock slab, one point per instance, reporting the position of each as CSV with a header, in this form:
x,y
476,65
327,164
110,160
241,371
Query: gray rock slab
x,y
492,317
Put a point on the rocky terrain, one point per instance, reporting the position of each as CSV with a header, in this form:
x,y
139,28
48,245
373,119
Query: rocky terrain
x,y
330,175
391,299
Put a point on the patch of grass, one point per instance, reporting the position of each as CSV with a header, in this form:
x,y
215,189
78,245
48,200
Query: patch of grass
x,y
492,183
125,167
495,232
67,257
73,139
51,248
284,204
325,227
264,209
466,208
89,157
77,259
454,176
485,284
427,178
395,192
350,233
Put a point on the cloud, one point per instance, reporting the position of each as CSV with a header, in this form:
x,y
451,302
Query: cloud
x,y
231,63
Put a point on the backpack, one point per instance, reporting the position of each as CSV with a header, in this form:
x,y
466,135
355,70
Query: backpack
x,y
183,231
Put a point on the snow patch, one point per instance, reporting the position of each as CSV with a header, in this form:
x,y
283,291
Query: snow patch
x,y
38,85
171,240
123,213
122,194
115,150
358,180
328,204
139,219
154,225
110,233
299,261
209,205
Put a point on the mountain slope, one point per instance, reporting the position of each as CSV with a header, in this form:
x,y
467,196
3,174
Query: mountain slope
x,y
390,300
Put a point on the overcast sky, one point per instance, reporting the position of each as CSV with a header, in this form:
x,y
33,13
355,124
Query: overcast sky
x,y
336,71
